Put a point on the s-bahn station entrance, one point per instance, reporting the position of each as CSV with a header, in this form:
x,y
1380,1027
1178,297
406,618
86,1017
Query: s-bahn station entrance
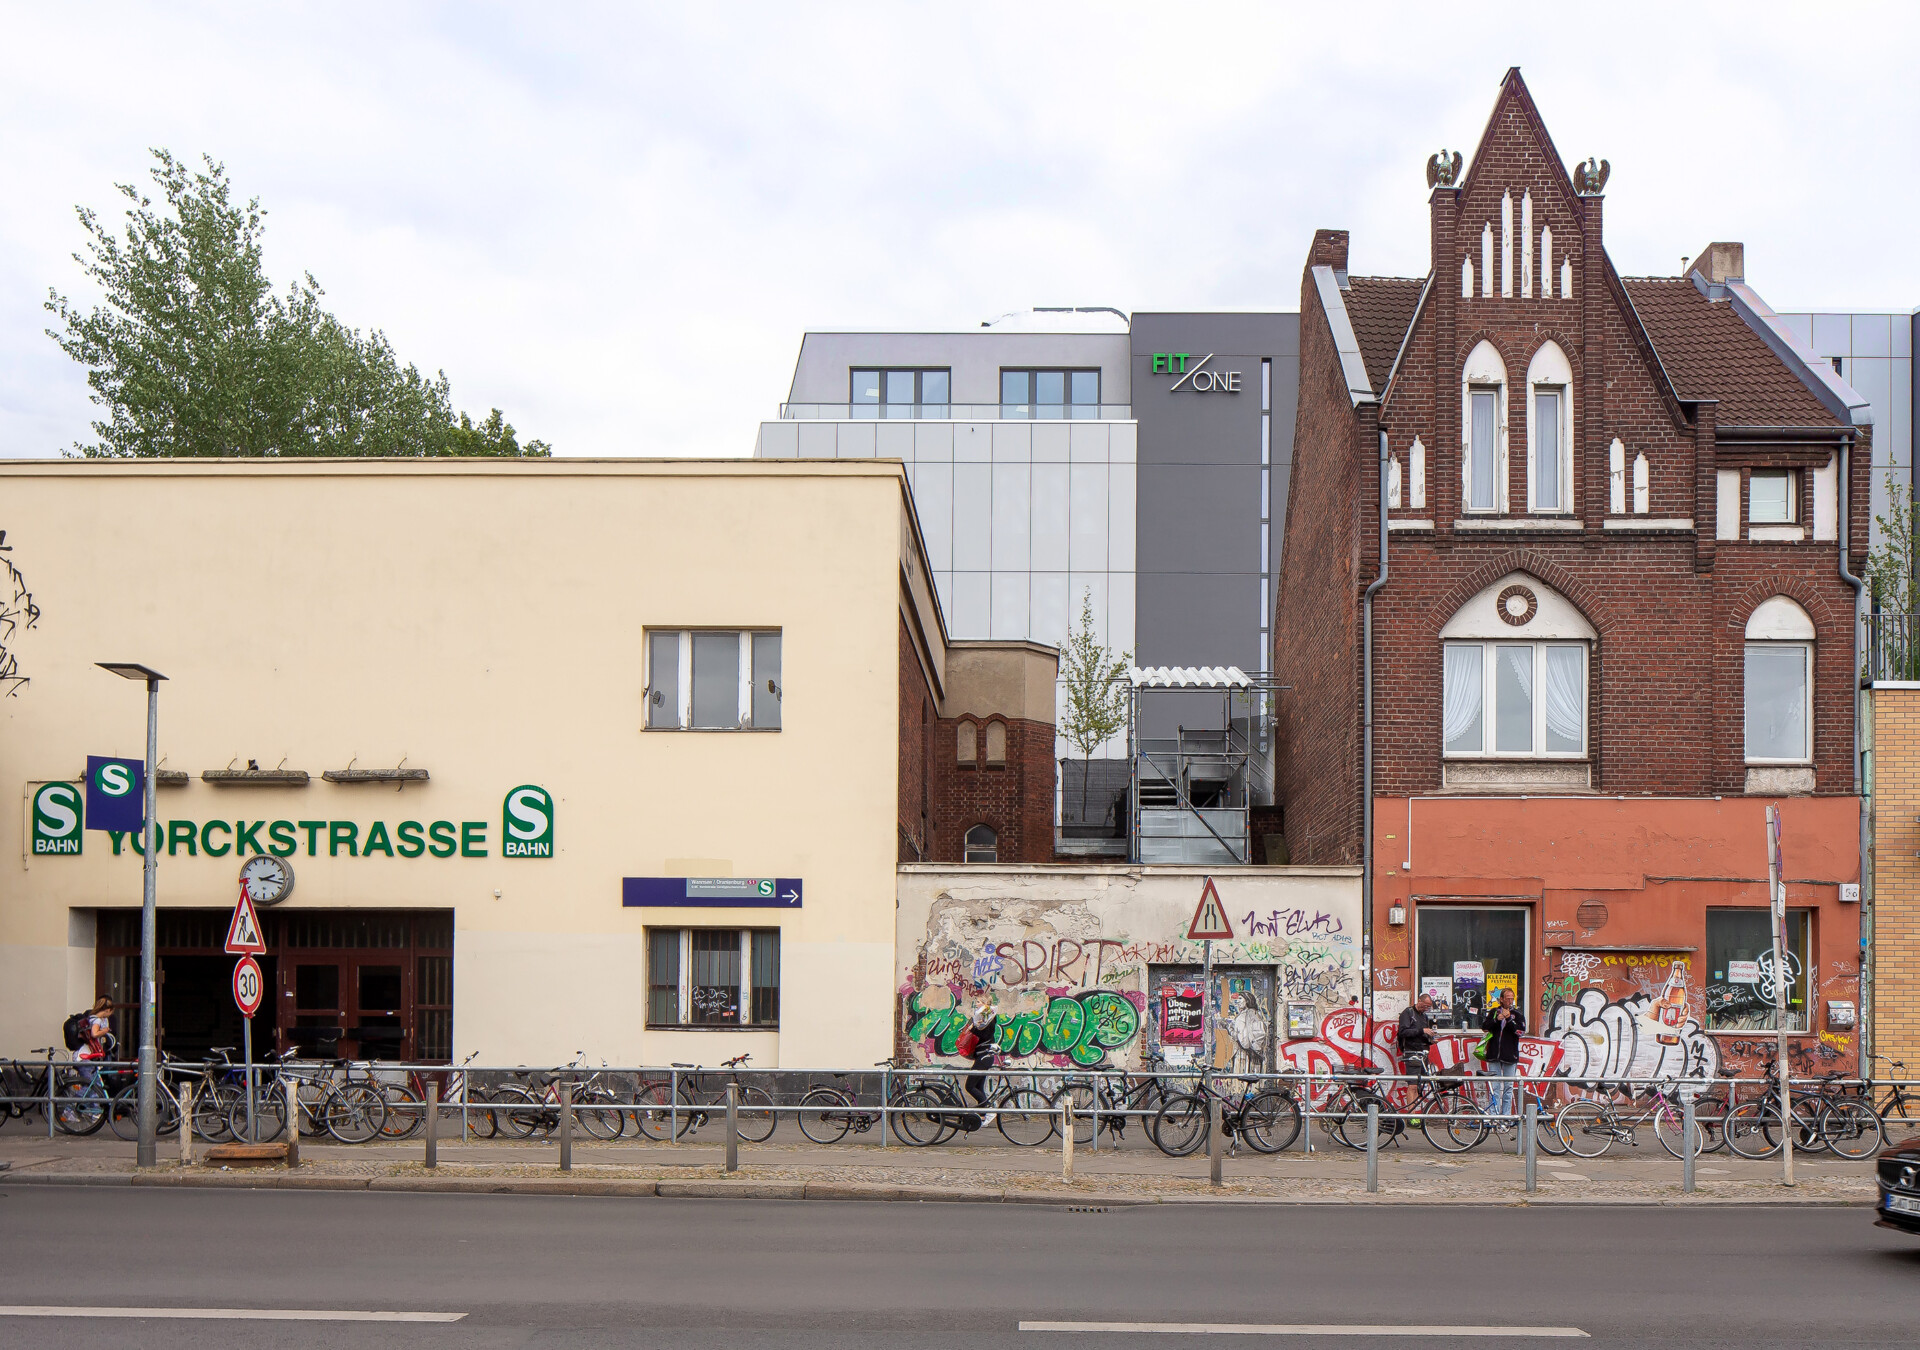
x,y
355,983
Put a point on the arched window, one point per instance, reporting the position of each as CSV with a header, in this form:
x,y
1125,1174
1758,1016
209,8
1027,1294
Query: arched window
x,y
1779,684
1483,430
983,845
1514,674
996,743
967,743
1549,430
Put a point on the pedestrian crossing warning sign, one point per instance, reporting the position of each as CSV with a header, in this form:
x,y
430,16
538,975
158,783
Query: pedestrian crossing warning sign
x,y
1210,918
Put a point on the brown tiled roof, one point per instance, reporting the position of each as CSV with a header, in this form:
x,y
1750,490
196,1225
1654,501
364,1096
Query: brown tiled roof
x,y
1380,309
1710,352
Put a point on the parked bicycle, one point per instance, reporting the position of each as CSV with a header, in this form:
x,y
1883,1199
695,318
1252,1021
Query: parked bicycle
x,y
1589,1126
1111,1099
828,1111
1266,1116
28,1092
659,1106
933,1111
1825,1118
1442,1108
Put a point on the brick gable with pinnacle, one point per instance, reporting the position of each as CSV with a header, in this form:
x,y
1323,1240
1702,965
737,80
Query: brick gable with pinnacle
x,y
1667,599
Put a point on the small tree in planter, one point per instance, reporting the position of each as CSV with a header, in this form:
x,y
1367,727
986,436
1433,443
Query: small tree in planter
x,y
1095,684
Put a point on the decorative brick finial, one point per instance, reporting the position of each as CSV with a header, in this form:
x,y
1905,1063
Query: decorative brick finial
x,y
1591,177
1441,171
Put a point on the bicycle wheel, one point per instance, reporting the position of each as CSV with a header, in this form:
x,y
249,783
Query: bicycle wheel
x,y
80,1109
1545,1137
355,1112
1080,1096
1809,1124
211,1106
123,1113
1025,1117
269,1117
1669,1127
597,1111
1463,1127
1181,1125
652,1112
756,1118
1752,1129
1585,1128
826,1115
406,1113
921,1117
1897,1110
1711,1112
1270,1121
1851,1129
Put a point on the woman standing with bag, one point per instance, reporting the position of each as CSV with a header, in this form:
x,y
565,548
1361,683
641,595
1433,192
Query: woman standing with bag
x,y
979,1043
1506,1024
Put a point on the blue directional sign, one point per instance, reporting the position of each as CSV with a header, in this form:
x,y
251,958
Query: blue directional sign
x,y
711,892
116,794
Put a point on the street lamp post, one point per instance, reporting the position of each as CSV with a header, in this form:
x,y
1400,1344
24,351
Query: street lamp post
x,y
148,1151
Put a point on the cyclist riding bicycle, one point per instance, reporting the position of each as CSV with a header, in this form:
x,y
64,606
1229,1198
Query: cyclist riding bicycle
x,y
983,1027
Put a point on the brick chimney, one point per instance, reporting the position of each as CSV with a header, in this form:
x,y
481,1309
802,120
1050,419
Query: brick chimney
x,y
1329,250
1720,263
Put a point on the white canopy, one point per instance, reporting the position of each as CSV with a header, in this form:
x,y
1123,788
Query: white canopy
x,y
1189,677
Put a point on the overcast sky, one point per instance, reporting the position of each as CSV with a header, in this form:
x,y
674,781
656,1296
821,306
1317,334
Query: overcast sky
x,y
615,223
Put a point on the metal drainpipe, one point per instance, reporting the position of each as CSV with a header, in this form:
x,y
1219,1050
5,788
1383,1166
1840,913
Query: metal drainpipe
x,y
1853,682
1366,736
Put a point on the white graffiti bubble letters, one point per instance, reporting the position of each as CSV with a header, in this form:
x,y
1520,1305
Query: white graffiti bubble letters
x,y
1580,965
1768,984
1613,1040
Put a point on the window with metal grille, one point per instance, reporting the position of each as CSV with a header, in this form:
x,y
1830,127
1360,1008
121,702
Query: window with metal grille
x,y
713,977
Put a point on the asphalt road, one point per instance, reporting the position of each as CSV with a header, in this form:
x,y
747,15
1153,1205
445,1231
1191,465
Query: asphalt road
x,y
578,1272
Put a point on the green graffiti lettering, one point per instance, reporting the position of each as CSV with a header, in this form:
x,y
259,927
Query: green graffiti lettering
x,y
1066,1020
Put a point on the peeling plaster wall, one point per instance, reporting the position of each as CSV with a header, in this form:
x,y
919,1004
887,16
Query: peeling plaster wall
x,y
1069,956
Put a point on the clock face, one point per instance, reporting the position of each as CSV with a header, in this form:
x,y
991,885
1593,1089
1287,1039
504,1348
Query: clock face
x,y
268,880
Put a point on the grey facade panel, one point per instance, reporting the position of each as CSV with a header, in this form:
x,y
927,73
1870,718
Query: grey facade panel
x,y
823,373
1199,619
1199,518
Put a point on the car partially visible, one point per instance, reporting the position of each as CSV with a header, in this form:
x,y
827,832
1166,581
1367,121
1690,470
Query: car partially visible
x,y
1899,1176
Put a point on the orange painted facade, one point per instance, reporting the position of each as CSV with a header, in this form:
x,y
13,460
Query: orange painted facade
x,y
1616,893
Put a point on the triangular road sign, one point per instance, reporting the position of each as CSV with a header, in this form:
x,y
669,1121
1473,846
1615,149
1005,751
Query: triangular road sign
x,y
1210,921
243,934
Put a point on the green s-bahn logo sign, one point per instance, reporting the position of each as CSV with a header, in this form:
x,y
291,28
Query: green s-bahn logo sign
x,y
526,823
57,812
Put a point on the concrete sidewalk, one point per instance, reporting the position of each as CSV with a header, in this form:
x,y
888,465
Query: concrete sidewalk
x,y
1131,1175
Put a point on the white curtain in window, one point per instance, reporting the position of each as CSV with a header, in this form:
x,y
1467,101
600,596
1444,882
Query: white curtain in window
x,y
1513,699
1462,697
1566,700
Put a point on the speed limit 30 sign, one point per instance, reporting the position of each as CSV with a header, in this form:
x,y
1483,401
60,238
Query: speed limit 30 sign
x,y
247,986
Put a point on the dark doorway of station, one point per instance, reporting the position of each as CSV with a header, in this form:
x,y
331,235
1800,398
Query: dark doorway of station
x,y
340,983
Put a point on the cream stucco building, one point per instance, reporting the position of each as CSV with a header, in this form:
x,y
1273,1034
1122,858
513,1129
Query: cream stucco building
x,y
696,668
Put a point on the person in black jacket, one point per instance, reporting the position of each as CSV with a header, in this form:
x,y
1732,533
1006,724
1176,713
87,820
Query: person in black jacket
x,y
1505,1025
986,1025
1416,1033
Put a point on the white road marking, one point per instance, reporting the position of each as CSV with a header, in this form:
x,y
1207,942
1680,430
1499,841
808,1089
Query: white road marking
x,y
1300,1329
228,1314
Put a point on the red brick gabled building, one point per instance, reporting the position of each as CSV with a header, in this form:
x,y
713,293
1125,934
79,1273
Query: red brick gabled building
x,y
1611,625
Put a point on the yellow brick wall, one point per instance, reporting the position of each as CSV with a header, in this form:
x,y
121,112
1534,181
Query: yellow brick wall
x,y
1896,873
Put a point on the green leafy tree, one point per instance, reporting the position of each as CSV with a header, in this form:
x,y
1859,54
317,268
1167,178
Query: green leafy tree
x,y
1095,684
190,352
1893,589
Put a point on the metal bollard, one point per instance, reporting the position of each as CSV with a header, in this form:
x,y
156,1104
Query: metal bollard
x,y
186,1124
51,1075
1213,1140
733,1127
292,1091
1529,1139
1066,1136
1306,1115
886,1099
673,1105
566,1126
1686,1140
433,1124
1373,1146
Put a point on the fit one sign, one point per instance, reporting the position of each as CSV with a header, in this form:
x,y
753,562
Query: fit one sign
x,y
57,812
1195,374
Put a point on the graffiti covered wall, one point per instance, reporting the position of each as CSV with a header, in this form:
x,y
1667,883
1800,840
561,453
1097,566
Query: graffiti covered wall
x,y
1090,965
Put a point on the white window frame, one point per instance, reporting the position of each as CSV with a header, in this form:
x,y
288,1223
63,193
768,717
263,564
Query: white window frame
x,y
684,678
1806,712
1793,496
1484,372
1489,700
1550,373
967,846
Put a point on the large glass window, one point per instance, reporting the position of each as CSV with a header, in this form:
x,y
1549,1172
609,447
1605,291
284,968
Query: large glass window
x,y
1533,696
1741,970
900,393
1483,452
1778,695
1049,393
1468,953
732,977
713,680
